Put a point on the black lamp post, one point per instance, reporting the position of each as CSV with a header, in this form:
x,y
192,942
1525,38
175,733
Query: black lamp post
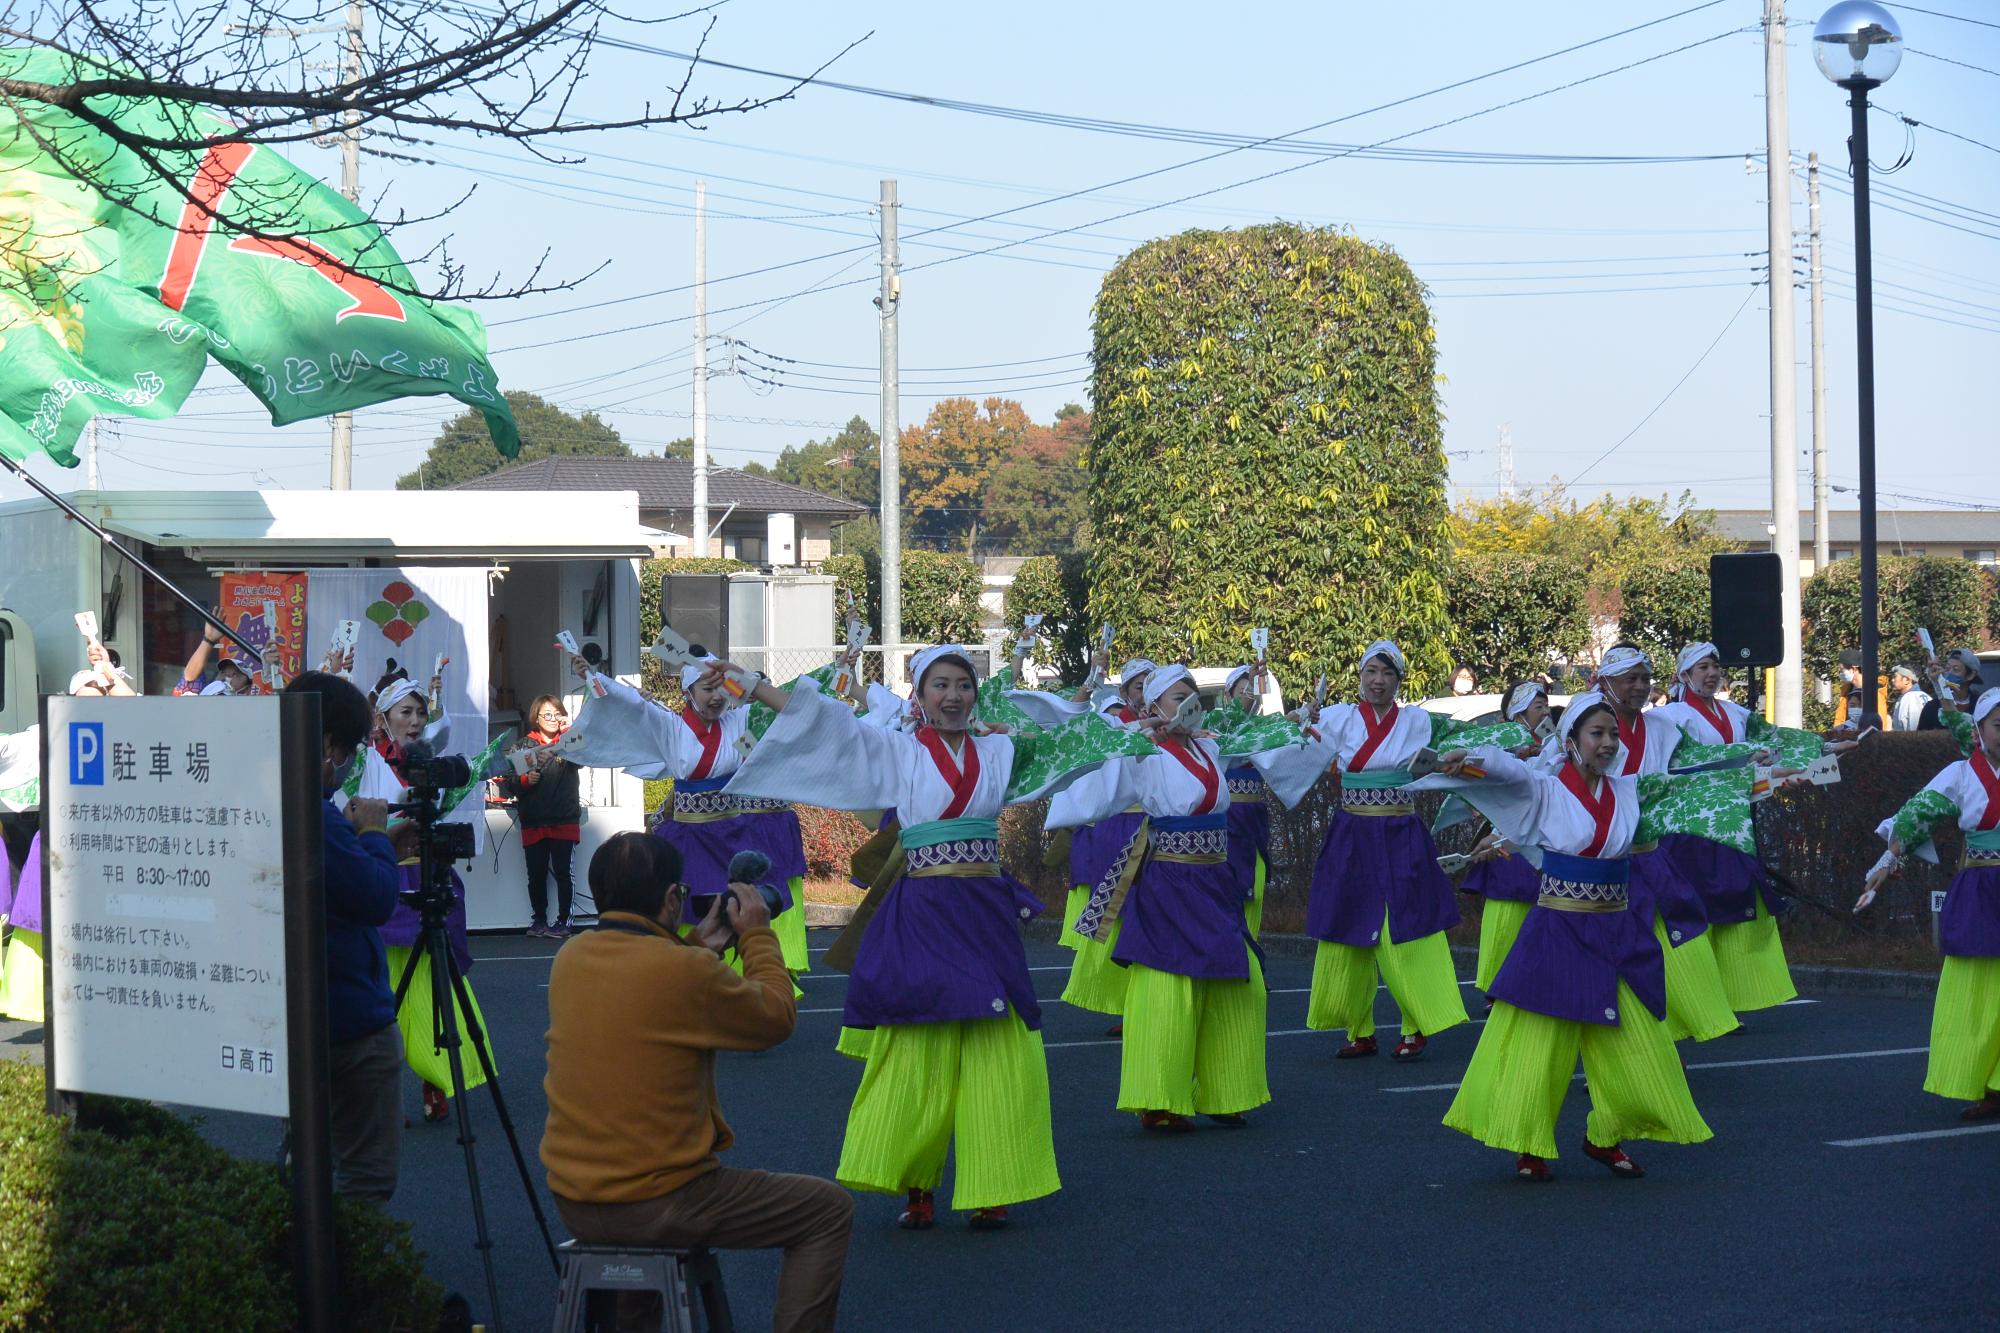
x,y
1858,45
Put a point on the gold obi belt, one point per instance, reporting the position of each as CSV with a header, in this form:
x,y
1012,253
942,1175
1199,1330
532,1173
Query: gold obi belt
x,y
1583,883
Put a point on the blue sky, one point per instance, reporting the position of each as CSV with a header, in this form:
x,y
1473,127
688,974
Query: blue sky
x,y
1569,298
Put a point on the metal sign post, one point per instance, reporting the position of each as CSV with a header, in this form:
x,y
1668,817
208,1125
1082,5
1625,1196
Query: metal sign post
x,y
186,926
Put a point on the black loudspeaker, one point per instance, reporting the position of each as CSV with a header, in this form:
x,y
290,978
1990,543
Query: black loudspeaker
x,y
1745,609
697,606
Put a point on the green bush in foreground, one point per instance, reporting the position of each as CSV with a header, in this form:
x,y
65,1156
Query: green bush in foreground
x,y
129,1219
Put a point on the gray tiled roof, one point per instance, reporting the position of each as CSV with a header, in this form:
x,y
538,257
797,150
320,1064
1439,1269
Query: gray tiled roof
x,y
1969,528
664,483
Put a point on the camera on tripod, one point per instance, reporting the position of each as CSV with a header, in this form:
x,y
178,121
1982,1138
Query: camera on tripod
x,y
429,776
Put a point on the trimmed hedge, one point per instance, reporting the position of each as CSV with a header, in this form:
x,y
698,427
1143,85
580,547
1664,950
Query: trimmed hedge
x,y
129,1219
1513,615
1947,597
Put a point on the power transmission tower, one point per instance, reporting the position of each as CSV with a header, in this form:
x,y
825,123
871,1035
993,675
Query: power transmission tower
x,y
1506,477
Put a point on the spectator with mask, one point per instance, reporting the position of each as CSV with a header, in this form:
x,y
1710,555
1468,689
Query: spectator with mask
x,y
1957,675
1910,699
1853,701
360,856
636,1016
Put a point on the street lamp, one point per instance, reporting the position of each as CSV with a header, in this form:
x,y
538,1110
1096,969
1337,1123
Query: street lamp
x,y
1858,45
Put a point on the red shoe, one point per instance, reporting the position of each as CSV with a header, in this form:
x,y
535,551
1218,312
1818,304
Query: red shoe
x,y
1410,1047
1115,1030
1984,1109
1165,1122
1532,1168
1355,1049
436,1105
1614,1157
989,1219
920,1214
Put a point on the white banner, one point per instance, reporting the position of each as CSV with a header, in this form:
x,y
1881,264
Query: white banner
x,y
409,618
165,938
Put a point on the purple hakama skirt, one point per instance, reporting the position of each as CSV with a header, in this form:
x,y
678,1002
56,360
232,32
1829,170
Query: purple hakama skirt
x,y
944,949
1373,863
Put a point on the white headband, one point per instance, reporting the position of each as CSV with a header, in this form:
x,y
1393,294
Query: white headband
x,y
395,693
1238,674
1524,694
694,671
1692,655
87,676
1385,649
1987,703
1620,660
1161,679
928,658
1578,706
1136,668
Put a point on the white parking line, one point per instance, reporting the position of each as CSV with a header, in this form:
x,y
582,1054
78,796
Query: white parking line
x,y
1912,1138
1722,1064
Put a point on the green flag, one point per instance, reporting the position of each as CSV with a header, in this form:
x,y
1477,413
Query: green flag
x,y
117,285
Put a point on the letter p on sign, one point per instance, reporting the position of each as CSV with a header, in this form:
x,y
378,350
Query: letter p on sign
x,y
86,754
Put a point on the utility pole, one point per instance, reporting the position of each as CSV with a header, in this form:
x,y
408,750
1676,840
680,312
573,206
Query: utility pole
x,y
1506,477
701,368
340,473
891,428
1784,375
1823,691
90,454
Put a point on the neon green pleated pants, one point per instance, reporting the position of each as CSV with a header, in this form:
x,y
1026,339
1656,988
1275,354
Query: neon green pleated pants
x,y
1419,975
978,1089
1499,925
21,977
1253,912
1751,959
1520,1073
1095,982
1193,1046
1965,1030
420,1042
1697,1004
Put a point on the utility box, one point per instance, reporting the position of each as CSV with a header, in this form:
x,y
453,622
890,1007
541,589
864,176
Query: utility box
x,y
781,540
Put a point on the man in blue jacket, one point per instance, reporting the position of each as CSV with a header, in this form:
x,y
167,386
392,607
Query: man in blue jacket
x,y
361,882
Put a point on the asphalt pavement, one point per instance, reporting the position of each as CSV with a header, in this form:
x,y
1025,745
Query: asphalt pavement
x,y
1835,1194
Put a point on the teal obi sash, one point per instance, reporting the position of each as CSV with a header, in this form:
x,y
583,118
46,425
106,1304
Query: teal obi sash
x,y
935,831
1377,777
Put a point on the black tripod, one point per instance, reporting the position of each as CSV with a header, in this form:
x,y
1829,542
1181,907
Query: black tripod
x,y
433,903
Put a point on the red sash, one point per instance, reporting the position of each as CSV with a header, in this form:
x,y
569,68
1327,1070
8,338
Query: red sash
x,y
1983,770
1599,807
1716,715
961,780
1125,714
710,736
1377,733
1634,737
1205,772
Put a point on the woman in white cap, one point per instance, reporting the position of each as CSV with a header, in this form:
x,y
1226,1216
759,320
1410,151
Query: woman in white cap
x,y
939,972
1195,1002
1505,881
1379,901
699,748
1737,896
1585,975
1697,1002
1095,982
1965,1021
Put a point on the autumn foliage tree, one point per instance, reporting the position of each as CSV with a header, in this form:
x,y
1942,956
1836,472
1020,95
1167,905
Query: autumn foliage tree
x,y
1037,500
948,461
1267,450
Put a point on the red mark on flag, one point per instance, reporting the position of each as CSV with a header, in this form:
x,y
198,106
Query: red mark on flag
x,y
212,179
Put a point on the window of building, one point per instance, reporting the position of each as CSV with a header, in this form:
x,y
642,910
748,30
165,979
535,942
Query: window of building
x,y
1843,555
1981,555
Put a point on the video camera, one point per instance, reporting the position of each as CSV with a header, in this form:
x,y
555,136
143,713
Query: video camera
x,y
429,776
748,866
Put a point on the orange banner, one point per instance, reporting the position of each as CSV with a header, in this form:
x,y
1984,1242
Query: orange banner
x,y
269,612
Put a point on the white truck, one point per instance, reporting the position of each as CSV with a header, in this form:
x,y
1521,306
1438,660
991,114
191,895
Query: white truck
x,y
554,561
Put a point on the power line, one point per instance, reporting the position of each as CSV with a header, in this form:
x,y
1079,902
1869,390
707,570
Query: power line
x,y
1940,14
1914,123
1677,386
1930,55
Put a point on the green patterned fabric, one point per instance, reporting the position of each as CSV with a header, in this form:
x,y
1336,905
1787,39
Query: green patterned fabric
x,y
27,796
1917,817
1246,734
1713,805
1043,756
1960,726
1794,748
761,717
1450,732
1690,754
480,762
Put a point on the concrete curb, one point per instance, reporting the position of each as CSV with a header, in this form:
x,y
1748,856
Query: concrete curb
x,y
1811,978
